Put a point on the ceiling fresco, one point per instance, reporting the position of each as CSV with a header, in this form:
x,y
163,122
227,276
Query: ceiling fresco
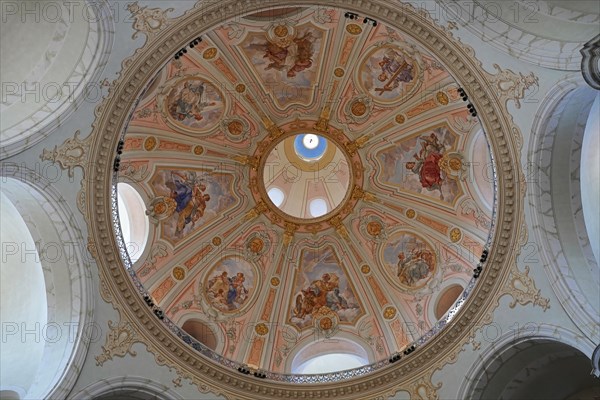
x,y
404,186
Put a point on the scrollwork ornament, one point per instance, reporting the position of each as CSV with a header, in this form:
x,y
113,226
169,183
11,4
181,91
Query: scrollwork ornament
x,y
72,153
148,21
512,86
522,288
81,199
424,389
119,340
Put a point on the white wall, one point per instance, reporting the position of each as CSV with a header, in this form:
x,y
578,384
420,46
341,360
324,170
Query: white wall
x,y
23,305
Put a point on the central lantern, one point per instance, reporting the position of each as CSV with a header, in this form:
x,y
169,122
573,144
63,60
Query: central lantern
x,y
305,178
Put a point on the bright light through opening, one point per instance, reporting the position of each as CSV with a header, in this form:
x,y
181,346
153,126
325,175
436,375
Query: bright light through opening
x,y
318,207
330,363
310,147
124,219
310,141
133,219
276,196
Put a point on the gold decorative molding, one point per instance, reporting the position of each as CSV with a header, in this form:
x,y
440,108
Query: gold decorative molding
x,y
148,21
522,288
72,153
288,235
250,161
257,210
354,146
424,389
336,222
360,194
119,340
512,86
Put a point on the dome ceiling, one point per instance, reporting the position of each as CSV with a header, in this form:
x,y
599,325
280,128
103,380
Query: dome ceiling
x,y
271,241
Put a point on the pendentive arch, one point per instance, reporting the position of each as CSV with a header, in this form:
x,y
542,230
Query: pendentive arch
x,y
555,195
516,363
70,299
62,68
126,387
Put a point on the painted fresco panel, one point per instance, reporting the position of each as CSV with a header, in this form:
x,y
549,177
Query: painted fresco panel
x,y
194,104
409,260
229,284
415,165
193,199
286,60
322,282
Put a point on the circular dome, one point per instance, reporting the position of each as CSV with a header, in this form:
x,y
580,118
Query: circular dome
x,y
357,241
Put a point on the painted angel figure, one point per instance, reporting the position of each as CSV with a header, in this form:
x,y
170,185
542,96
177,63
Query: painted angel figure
x,y
190,197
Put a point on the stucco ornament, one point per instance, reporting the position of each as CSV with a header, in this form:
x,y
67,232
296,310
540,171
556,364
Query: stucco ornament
x,y
148,21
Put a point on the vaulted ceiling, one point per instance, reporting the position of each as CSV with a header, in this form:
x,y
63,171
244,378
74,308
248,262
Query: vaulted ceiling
x,y
405,185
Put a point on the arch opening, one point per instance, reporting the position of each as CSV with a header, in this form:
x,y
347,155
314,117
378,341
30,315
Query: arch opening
x,y
134,222
23,305
535,369
329,356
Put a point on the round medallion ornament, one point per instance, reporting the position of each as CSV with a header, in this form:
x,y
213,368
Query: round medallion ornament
x,y
209,53
216,241
160,208
240,88
455,164
389,312
256,245
198,150
275,281
281,31
353,29
178,273
442,98
455,235
326,323
261,329
365,269
163,207
358,108
235,128
400,118
374,228
338,72
410,213
150,143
